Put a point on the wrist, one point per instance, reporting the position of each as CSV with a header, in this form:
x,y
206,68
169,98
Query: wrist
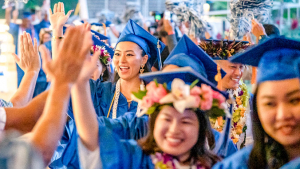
x,y
171,32
61,83
57,31
32,72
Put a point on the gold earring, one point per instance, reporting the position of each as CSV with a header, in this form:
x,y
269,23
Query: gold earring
x,y
142,69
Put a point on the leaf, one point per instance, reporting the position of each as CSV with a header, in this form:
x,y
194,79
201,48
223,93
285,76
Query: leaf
x,y
215,112
140,94
194,83
155,80
151,110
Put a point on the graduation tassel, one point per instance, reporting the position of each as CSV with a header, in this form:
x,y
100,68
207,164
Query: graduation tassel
x,y
218,77
159,56
254,72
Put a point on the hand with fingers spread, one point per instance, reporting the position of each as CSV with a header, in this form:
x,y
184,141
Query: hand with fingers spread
x,y
71,56
58,18
29,57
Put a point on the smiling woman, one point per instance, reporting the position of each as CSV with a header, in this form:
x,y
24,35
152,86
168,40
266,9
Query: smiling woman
x,y
276,107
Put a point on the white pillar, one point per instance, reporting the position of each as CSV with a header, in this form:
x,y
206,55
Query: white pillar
x,y
83,13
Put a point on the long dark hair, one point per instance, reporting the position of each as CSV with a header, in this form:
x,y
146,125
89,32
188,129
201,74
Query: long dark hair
x,y
199,152
147,68
266,152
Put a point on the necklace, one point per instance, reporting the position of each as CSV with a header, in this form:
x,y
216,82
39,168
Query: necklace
x,y
239,116
115,101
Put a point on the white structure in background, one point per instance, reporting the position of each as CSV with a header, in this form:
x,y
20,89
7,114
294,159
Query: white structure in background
x,y
8,73
83,13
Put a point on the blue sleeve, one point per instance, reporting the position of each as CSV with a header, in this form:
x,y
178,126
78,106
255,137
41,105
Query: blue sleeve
x,y
119,154
128,126
231,147
292,164
239,160
13,29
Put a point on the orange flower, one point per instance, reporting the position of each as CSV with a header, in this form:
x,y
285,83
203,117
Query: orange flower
x,y
235,140
242,112
239,129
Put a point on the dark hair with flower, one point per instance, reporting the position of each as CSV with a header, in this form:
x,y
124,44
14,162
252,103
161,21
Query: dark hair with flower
x,y
181,96
223,49
104,57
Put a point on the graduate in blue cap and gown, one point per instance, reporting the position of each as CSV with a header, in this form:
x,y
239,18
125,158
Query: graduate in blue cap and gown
x,y
276,106
16,30
232,82
135,52
178,125
130,126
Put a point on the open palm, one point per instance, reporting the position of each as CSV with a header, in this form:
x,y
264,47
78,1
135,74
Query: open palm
x,y
58,18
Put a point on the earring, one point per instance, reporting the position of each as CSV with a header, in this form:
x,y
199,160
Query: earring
x,y
142,69
142,86
116,70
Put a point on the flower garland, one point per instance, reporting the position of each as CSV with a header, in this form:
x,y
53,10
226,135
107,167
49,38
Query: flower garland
x,y
181,96
239,115
165,161
104,55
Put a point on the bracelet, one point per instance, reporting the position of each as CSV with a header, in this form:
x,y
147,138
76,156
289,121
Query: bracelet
x,y
55,37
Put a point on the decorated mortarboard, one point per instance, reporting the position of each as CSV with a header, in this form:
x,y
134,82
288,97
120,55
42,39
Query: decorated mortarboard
x,y
187,53
223,49
275,59
106,52
151,45
183,89
187,74
98,35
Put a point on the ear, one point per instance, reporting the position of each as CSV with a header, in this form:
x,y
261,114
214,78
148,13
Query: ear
x,y
145,59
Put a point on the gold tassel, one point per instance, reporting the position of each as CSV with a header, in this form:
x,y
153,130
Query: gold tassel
x,y
253,78
218,77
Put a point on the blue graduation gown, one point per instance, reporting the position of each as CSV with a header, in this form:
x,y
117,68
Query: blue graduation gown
x,y
14,31
239,160
102,95
292,164
116,153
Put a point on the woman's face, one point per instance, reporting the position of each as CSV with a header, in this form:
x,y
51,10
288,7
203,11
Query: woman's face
x,y
46,37
278,104
176,133
128,60
100,69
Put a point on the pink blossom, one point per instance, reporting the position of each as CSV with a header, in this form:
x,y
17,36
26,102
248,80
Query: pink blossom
x,y
219,97
207,97
196,91
159,93
197,101
147,102
206,104
151,87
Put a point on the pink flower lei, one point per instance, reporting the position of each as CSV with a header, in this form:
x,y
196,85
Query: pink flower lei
x,y
104,57
166,161
181,96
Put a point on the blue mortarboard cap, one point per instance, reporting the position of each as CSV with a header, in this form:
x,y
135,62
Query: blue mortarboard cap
x,y
187,53
94,33
187,74
275,59
99,35
97,24
134,33
27,15
100,43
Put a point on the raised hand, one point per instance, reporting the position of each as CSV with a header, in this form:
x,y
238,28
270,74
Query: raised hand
x,y
29,57
257,28
72,54
58,18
